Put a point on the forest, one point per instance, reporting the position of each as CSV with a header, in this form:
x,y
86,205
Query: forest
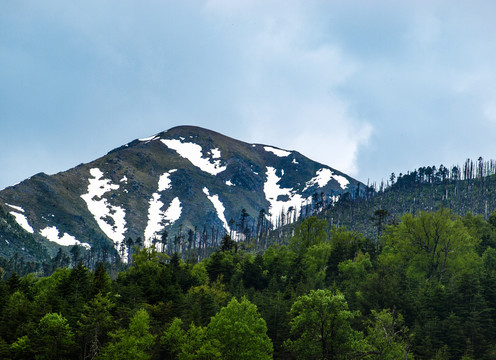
x,y
424,289
403,270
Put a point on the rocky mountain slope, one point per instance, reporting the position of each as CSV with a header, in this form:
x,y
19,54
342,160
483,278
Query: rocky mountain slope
x,y
183,178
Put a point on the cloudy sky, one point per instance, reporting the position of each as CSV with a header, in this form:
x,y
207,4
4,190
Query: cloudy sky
x,y
367,87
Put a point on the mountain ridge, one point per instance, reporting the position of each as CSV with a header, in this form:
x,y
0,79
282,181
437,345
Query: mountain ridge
x,y
185,178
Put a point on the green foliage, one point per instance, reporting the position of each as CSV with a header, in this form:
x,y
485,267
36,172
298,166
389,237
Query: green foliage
x,y
310,232
133,343
353,275
200,305
322,296
240,332
22,348
236,332
16,317
94,323
387,337
53,339
221,265
189,345
345,245
434,246
173,339
321,327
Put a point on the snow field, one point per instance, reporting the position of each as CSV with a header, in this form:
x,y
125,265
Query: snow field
x,y
22,221
322,178
277,152
158,219
219,207
17,208
52,234
101,209
193,152
154,137
273,190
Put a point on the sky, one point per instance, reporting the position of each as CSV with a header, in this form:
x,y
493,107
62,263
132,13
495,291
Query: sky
x,y
367,87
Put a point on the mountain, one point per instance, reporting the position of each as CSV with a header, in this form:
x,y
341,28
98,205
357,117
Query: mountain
x,y
464,189
186,178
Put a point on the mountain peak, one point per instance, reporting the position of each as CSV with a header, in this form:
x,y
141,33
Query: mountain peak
x,y
185,178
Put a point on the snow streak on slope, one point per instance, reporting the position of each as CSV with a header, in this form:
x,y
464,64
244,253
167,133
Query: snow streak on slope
x,y
154,137
110,218
164,182
158,219
21,219
219,207
17,208
322,178
193,152
273,191
277,152
52,234
173,213
343,182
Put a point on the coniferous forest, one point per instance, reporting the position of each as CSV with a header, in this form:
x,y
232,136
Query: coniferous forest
x,y
425,290
400,272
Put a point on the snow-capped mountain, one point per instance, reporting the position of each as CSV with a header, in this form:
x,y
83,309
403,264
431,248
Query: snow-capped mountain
x,y
183,178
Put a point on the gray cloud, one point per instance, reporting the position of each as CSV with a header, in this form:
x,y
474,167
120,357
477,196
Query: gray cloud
x,y
366,87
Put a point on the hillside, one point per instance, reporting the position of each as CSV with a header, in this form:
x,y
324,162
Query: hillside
x,y
470,188
190,183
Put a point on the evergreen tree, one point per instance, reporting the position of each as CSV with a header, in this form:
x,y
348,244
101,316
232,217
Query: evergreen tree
x,y
133,343
53,339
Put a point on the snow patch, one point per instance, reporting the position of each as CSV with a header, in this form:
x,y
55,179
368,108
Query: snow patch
x,y
229,183
219,207
273,191
334,199
124,180
294,161
22,221
101,209
193,152
151,138
215,153
343,182
7,241
277,152
322,178
173,213
52,234
18,208
158,219
164,182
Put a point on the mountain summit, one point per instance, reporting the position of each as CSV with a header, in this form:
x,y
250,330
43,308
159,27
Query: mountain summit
x,y
186,178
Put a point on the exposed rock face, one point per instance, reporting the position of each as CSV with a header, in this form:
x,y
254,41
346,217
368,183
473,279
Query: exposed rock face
x,y
183,178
